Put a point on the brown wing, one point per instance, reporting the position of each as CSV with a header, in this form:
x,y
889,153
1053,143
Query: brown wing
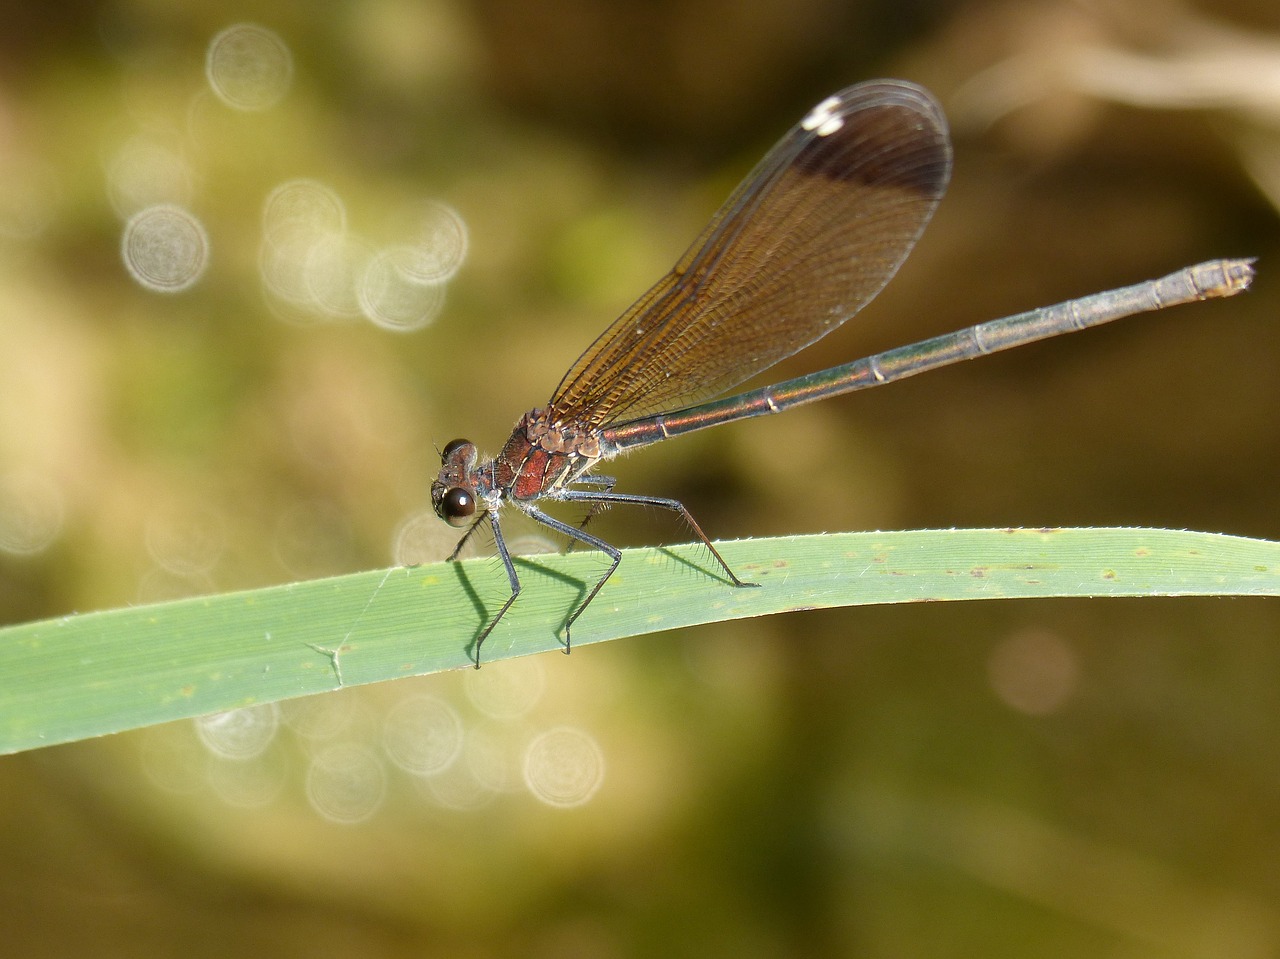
x,y
803,244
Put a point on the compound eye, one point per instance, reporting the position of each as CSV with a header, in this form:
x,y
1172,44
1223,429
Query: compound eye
x,y
457,506
452,447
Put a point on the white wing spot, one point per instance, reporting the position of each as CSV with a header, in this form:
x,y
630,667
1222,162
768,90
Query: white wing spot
x,y
822,119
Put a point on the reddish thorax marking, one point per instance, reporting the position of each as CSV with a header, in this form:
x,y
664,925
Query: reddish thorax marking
x,y
541,457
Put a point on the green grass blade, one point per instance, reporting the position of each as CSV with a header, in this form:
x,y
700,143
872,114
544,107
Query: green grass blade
x,y
96,673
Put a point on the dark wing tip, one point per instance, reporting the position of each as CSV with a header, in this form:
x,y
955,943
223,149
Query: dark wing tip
x,y
882,133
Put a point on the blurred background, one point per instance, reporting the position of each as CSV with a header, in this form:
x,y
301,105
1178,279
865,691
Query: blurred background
x,y
258,262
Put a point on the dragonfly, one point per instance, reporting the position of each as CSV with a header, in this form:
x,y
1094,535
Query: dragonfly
x,y
812,234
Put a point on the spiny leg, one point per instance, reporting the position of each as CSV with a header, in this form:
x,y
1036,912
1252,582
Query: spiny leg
x,y
608,498
467,535
512,578
601,498
604,484
577,535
